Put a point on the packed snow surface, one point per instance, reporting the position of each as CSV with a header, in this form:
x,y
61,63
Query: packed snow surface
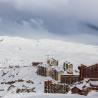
x,y
49,96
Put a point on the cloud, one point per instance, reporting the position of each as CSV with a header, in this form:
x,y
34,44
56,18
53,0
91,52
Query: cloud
x,y
94,27
62,19
41,5
32,28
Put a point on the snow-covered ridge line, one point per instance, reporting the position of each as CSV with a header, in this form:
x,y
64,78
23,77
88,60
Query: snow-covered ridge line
x,y
47,40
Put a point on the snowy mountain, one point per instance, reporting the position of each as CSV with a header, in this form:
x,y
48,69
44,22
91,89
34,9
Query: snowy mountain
x,y
21,51
17,54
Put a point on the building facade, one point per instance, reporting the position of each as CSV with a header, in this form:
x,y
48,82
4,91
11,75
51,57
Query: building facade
x,y
52,62
69,79
88,71
36,63
50,87
67,66
42,71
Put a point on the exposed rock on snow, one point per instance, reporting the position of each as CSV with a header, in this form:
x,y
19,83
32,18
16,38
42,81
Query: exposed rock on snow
x,y
21,79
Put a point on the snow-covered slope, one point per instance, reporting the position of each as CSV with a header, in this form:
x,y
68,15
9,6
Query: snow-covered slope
x,y
23,82
21,51
16,55
15,78
49,96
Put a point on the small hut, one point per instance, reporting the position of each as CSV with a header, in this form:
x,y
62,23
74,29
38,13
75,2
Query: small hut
x,y
75,90
36,63
80,91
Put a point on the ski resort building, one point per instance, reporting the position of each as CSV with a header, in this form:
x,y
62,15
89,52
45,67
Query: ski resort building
x,y
50,87
88,71
52,62
69,78
67,66
56,73
42,70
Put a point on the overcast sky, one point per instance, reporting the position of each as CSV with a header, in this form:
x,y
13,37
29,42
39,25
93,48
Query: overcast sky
x,y
71,20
